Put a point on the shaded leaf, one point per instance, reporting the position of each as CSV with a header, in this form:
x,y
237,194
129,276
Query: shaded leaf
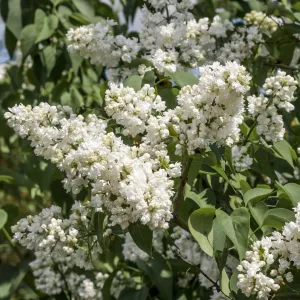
x,y
160,273
236,226
142,236
256,195
3,218
182,78
200,225
277,217
134,82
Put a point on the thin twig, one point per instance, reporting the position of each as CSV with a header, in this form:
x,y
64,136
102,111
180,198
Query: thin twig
x,y
180,195
11,243
282,66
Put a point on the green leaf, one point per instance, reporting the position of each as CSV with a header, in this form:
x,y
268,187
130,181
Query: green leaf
x,y
10,279
182,78
200,225
256,195
204,199
39,19
3,218
76,60
10,42
245,187
77,99
169,94
211,160
48,57
160,273
194,169
106,290
48,28
19,179
277,217
219,236
63,14
285,151
99,218
134,82
236,226
224,283
14,18
85,7
258,211
149,78
293,192
256,5
28,36
142,236
133,294
221,244
6,179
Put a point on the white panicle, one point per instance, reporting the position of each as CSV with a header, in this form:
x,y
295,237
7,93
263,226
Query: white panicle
x,y
97,42
271,261
265,108
125,182
211,111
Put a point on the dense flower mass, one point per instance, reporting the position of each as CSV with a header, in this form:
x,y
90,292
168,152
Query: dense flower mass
x,y
212,110
171,39
168,169
132,109
271,261
58,245
124,181
266,24
279,93
99,44
209,112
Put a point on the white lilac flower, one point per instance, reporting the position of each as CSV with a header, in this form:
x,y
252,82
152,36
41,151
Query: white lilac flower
x,y
56,243
271,261
171,39
97,42
212,110
132,109
265,108
266,24
124,181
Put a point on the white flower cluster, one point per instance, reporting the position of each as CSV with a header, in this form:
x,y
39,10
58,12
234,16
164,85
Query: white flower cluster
x,y
132,109
175,40
126,182
240,157
242,42
271,261
212,110
266,24
171,39
240,45
60,245
209,112
96,41
279,93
